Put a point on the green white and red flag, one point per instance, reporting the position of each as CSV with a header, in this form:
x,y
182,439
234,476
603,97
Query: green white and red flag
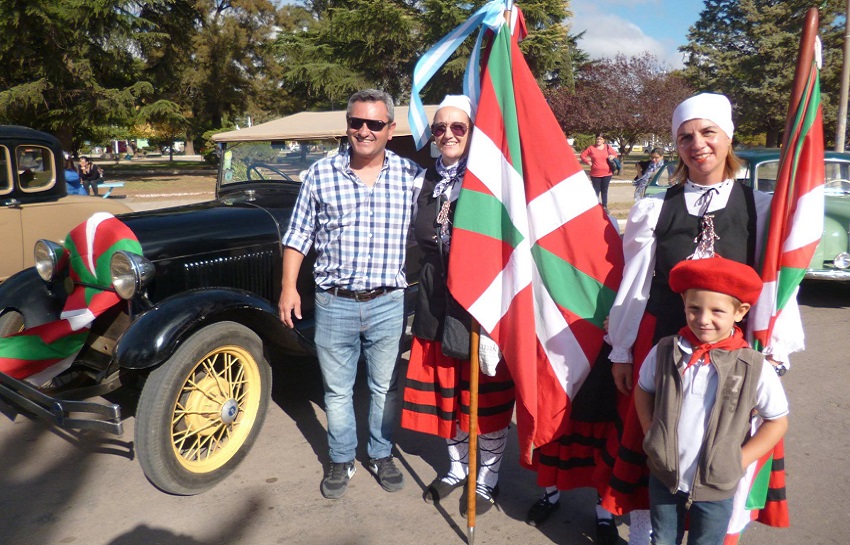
x,y
794,232
534,258
796,212
40,353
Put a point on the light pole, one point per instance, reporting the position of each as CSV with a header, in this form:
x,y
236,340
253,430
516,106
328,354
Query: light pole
x,y
841,125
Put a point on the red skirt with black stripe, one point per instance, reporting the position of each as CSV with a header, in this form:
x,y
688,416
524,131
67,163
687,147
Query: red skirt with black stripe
x,y
625,488
576,459
436,394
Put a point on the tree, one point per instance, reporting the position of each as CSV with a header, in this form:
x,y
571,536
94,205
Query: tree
x,y
333,56
747,49
167,121
214,59
351,45
549,48
625,98
68,67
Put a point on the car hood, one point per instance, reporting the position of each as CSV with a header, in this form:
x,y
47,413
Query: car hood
x,y
209,227
838,208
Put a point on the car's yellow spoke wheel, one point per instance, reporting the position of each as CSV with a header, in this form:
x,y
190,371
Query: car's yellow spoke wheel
x,y
201,410
215,409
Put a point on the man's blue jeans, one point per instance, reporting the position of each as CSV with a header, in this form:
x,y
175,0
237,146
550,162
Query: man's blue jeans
x,y
708,519
343,327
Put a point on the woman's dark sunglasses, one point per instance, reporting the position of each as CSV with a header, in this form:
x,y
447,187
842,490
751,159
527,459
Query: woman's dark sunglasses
x,y
439,129
373,124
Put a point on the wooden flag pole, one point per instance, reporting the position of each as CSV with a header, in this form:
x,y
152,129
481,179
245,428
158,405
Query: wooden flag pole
x,y
474,369
472,478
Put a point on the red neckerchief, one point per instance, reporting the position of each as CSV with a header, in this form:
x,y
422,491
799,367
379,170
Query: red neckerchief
x,y
732,342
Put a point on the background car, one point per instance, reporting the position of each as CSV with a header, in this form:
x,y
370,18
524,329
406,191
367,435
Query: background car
x,y
760,169
34,202
194,331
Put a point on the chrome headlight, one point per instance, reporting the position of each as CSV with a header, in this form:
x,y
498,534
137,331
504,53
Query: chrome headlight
x,y
841,261
130,273
50,259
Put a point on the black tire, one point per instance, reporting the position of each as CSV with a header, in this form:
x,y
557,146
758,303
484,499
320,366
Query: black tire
x,y
10,323
185,439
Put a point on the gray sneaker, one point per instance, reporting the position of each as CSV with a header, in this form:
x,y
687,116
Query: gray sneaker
x,y
335,483
389,477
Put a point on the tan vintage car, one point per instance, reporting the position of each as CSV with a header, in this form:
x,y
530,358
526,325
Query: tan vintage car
x,y
34,202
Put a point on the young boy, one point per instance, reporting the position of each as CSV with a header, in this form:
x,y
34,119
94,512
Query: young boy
x,y
696,394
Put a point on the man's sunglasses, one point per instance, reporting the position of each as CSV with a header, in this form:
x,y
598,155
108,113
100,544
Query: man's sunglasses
x,y
458,129
373,124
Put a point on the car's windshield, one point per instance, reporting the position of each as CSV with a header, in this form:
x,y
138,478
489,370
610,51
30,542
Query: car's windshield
x,y
836,174
258,161
664,176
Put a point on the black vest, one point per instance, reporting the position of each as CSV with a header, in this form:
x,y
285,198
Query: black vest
x,y
675,236
433,297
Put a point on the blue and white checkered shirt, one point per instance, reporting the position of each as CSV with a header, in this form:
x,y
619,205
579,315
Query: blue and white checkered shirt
x,y
360,232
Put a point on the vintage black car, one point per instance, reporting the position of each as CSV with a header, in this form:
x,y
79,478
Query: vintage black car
x,y
194,333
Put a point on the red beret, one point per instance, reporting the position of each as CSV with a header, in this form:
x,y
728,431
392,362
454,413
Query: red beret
x,y
717,274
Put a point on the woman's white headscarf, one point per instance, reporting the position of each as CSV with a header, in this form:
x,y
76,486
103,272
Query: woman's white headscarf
x,y
714,107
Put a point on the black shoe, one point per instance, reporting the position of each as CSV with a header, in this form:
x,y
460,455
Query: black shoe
x,y
606,532
485,498
335,483
388,475
439,489
541,510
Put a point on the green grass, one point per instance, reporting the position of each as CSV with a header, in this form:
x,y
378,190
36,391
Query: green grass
x,y
164,165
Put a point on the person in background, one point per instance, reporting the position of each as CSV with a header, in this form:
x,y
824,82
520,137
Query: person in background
x,y
436,395
695,394
598,156
706,212
90,174
646,170
72,178
355,209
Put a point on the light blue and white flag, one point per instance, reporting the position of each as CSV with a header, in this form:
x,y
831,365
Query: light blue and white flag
x,y
489,17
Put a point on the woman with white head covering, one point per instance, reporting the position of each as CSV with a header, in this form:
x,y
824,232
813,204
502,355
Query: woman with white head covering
x,y
436,395
707,211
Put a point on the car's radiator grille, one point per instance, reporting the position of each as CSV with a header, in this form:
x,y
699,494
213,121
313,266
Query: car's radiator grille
x,y
252,272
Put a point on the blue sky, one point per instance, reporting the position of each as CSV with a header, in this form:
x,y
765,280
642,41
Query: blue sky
x,y
634,26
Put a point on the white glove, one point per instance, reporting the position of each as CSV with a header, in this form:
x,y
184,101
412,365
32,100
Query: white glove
x,y
488,355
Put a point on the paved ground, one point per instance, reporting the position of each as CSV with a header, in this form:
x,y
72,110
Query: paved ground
x,y
72,488
61,488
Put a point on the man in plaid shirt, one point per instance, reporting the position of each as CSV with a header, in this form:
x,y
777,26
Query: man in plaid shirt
x,y
356,209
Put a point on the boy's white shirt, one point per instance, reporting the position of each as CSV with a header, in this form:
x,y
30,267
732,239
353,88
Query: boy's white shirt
x,y
699,384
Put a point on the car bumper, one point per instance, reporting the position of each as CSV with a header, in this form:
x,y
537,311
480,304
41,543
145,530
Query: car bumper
x,y
87,415
839,275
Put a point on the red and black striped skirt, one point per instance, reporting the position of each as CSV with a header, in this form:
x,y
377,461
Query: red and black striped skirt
x,y
436,394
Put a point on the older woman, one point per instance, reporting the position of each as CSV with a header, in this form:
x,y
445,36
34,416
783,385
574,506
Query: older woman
x,y
706,211
436,395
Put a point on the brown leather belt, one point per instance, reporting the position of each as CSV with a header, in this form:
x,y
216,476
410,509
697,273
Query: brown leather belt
x,y
360,296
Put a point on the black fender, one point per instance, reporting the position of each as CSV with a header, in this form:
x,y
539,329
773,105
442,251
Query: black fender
x,y
154,336
38,301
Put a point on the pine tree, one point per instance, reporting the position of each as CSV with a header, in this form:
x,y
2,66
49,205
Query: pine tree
x,y
747,49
